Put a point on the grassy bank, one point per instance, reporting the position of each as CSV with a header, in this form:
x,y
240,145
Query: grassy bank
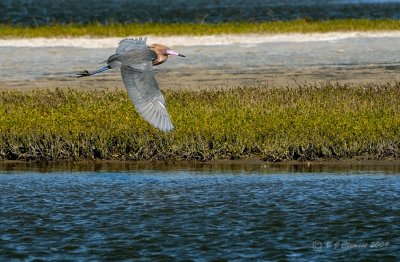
x,y
122,30
304,123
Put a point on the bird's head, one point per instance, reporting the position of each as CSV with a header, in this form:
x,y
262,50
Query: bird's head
x,y
163,52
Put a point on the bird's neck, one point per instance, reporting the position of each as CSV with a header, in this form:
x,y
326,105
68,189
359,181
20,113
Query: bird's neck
x,y
161,58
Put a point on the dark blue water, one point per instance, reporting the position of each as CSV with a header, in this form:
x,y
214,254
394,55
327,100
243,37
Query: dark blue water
x,y
199,215
39,12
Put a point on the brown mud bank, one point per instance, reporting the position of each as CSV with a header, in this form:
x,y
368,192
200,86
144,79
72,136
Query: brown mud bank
x,y
203,78
247,164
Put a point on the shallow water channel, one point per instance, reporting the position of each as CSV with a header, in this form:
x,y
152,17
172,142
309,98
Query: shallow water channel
x,y
199,213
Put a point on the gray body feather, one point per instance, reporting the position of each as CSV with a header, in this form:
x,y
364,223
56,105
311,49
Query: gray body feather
x,y
134,58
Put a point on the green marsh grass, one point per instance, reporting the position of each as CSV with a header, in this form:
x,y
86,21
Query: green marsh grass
x,y
273,124
123,30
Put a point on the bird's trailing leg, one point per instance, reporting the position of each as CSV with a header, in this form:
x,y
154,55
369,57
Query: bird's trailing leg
x,y
87,73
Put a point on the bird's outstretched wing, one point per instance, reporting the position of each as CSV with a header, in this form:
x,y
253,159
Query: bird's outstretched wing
x,y
146,96
138,76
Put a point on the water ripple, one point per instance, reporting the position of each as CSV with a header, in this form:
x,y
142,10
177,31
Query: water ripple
x,y
197,216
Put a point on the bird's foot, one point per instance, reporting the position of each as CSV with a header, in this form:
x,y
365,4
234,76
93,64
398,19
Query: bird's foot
x,y
83,73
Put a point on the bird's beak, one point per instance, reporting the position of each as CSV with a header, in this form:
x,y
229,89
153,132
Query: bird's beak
x,y
172,52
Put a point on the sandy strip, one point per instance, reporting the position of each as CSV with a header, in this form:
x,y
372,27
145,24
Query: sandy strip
x,y
247,39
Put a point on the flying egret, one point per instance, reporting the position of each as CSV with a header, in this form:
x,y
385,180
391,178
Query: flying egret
x,y
136,60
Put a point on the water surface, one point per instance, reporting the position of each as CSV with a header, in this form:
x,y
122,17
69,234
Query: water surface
x,y
39,12
199,215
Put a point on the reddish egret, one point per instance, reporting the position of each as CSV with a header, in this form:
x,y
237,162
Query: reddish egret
x,y
136,60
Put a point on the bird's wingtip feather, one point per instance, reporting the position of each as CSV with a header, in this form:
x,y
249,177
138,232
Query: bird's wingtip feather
x,y
138,39
156,117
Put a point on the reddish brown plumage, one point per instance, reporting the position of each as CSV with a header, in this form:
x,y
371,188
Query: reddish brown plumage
x,y
161,51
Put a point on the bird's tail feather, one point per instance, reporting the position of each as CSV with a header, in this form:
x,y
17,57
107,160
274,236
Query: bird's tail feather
x,y
87,73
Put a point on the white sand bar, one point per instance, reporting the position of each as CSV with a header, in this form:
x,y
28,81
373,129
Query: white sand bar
x,y
353,57
249,39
